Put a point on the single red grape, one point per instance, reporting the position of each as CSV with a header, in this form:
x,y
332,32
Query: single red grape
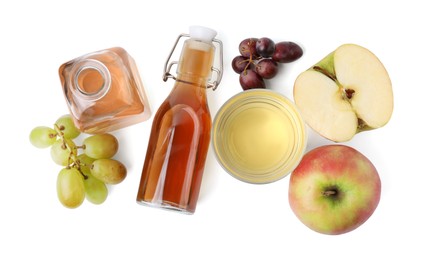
x,y
240,63
247,48
287,52
265,47
267,68
249,79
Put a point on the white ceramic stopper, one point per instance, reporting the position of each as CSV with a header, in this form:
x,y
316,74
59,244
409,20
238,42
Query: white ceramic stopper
x,y
202,33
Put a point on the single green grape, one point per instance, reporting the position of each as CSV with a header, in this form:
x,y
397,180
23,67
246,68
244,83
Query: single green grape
x,y
109,171
70,187
61,153
96,190
101,146
43,136
66,125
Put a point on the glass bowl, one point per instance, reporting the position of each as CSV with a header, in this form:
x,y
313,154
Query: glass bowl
x,y
259,136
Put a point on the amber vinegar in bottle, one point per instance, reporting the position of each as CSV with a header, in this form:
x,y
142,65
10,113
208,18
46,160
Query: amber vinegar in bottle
x,y
180,135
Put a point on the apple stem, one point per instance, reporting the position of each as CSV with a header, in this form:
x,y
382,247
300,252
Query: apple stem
x,y
325,72
328,193
362,125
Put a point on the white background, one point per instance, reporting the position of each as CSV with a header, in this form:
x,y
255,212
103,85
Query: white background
x,y
233,220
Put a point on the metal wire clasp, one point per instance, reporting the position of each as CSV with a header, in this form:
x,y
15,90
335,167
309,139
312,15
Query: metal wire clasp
x,y
218,71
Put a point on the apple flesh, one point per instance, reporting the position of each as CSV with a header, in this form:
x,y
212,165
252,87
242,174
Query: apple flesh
x,y
347,92
334,189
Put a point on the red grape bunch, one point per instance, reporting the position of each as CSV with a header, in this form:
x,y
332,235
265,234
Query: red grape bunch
x,y
259,60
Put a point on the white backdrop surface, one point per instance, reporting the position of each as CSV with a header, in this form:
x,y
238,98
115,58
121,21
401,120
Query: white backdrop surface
x,y
233,220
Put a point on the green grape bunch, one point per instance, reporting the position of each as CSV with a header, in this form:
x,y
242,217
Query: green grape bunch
x,y
87,169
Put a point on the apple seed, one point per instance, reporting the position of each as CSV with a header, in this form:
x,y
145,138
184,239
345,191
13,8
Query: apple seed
x,y
349,93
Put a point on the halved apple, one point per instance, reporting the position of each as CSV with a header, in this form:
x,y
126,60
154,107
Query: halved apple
x,y
347,92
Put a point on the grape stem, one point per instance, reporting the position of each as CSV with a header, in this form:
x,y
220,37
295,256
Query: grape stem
x,y
78,164
249,61
72,159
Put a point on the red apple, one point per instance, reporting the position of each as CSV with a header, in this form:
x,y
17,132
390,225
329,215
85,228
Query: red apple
x,y
334,189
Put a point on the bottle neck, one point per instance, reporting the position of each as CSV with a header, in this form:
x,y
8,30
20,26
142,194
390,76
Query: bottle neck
x,y
91,79
195,63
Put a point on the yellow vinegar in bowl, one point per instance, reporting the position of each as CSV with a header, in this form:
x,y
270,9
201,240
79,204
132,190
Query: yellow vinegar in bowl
x,y
259,136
